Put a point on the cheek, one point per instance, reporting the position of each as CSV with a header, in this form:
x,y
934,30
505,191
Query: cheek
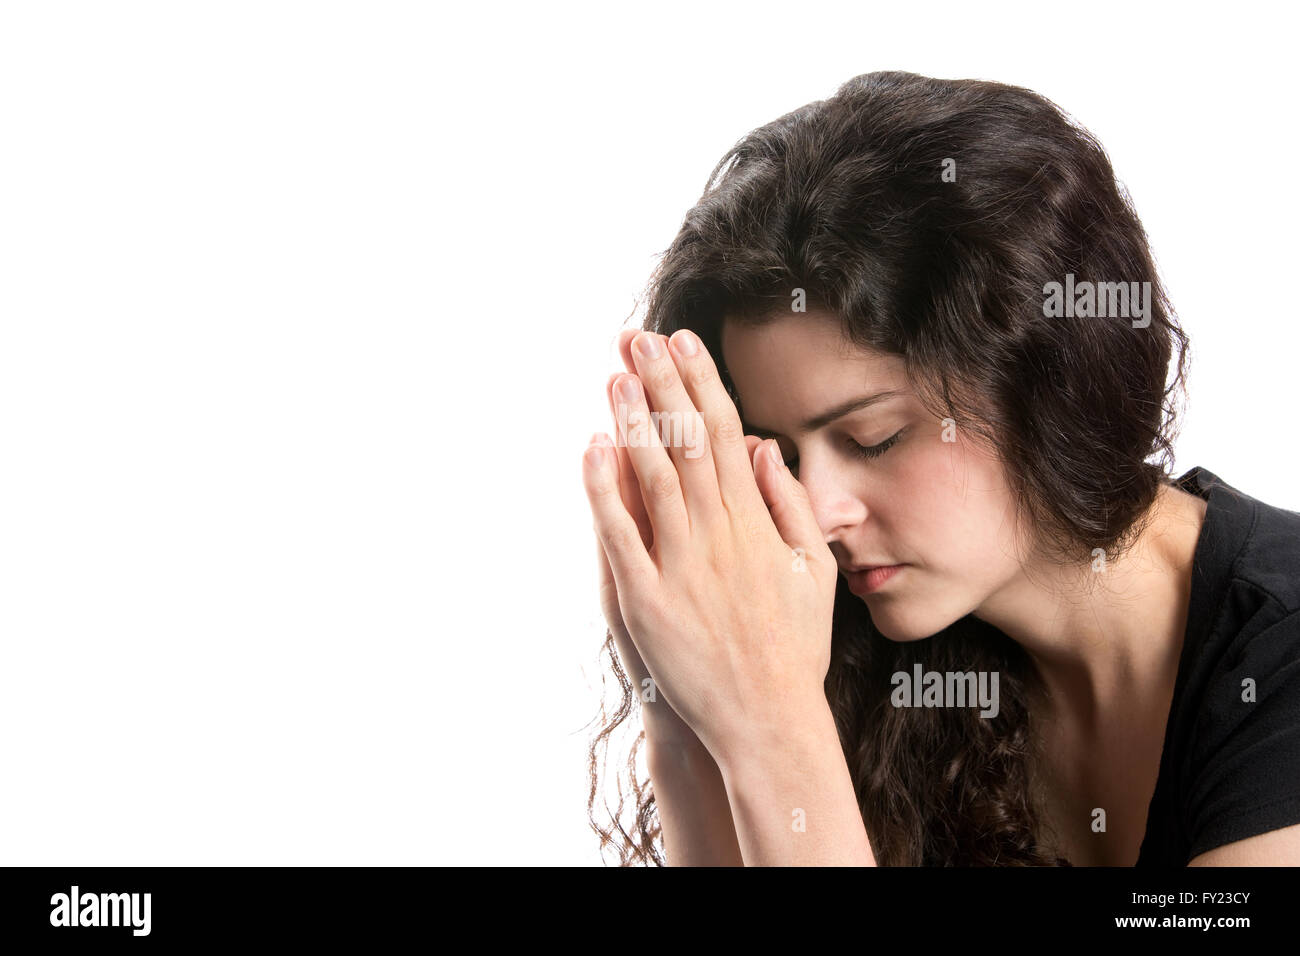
x,y
959,511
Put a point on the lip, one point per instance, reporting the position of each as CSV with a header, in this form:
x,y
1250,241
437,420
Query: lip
x,y
852,568
867,579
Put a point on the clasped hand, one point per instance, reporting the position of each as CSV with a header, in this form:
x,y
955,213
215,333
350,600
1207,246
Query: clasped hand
x,y
724,579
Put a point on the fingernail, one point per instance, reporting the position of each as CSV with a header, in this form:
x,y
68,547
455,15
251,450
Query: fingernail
x,y
685,342
648,345
775,451
630,389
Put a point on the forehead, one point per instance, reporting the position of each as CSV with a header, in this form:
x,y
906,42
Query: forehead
x,y
800,364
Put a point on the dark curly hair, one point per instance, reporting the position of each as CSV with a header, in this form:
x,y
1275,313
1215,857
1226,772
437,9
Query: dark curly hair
x,y
846,199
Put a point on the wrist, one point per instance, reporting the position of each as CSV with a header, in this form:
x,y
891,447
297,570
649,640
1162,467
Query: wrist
x,y
801,735
792,796
670,736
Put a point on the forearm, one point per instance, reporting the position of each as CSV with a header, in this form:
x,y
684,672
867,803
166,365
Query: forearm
x,y
792,799
694,815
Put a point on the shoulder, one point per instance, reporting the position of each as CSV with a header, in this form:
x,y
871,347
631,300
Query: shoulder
x,y
1269,559
1246,582
1244,753
1241,718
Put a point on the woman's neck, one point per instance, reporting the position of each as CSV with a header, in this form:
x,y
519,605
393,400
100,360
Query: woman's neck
x,y
1104,637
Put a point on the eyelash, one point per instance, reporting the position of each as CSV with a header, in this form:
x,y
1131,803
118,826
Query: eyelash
x,y
863,451
875,451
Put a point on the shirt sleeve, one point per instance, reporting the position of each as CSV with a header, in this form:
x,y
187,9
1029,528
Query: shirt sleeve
x,y
1245,776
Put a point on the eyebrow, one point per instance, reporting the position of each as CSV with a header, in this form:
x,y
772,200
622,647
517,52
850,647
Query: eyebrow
x,y
828,416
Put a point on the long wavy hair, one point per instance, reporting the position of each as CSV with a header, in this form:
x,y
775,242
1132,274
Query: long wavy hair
x,y
928,215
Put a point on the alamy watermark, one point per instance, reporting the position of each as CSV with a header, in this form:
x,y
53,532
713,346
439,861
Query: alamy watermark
x,y
101,909
946,689
1098,300
676,429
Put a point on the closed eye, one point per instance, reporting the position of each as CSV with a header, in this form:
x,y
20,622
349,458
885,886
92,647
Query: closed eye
x,y
875,451
860,450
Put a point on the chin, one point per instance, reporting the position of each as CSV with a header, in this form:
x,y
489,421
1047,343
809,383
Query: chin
x,y
900,627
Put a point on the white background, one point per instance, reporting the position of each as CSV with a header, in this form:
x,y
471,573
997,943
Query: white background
x,y
306,312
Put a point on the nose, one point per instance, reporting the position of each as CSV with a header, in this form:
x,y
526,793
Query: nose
x,y
835,502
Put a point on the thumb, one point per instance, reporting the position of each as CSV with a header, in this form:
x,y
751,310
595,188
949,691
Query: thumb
x,y
786,498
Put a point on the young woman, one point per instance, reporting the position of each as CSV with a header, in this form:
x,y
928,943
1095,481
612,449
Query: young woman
x,y
966,621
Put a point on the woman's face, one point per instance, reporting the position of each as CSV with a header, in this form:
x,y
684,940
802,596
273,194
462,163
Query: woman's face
x,y
931,501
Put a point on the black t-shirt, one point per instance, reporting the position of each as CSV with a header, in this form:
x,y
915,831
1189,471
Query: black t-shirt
x,y
1230,768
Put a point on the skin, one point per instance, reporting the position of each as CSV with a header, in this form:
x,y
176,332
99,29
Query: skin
x,y
734,632
691,798
1105,643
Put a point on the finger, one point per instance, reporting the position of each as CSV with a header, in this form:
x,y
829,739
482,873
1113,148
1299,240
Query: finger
x,y
629,657
620,539
627,484
625,347
657,476
680,427
634,669
726,434
627,474
633,666
788,502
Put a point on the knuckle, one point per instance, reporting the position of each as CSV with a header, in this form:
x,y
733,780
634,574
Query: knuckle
x,y
754,531
727,430
722,561
824,561
663,485
700,376
602,491
622,540
663,380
